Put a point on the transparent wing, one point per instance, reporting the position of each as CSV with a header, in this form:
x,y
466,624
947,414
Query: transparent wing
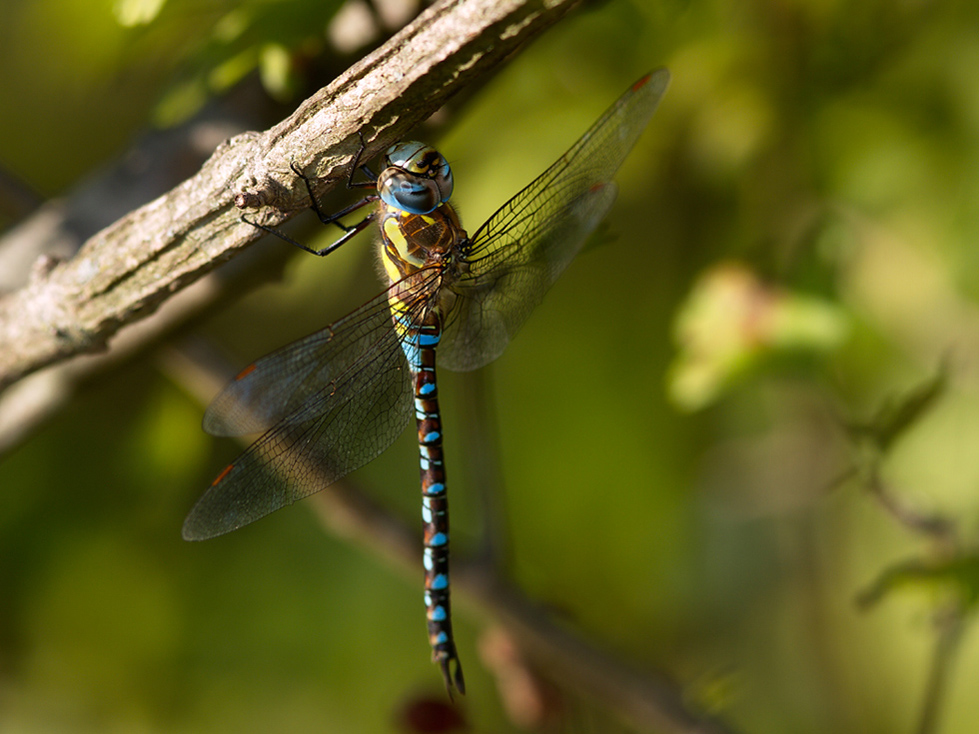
x,y
328,403
281,383
522,249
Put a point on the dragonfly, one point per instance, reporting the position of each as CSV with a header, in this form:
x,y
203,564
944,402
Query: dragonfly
x,y
328,403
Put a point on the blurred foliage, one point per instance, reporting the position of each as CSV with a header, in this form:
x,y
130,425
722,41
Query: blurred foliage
x,y
899,415
830,149
958,575
731,321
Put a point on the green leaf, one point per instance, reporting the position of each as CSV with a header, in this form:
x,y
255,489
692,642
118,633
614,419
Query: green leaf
x,y
131,13
958,574
731,321
897,415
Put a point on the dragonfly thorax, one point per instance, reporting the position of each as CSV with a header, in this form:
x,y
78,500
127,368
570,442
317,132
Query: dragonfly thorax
x,y
416,178
410,242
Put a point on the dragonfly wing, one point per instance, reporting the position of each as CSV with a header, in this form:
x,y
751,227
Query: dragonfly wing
x,y
529,241
283,382
333,427
496,303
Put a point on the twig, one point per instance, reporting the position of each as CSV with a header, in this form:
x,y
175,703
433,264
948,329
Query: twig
x,y
158,161
936,526
951,625
479,434
16,197
942,531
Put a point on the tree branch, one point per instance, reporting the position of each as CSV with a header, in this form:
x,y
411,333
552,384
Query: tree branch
x,y
158,161
129,269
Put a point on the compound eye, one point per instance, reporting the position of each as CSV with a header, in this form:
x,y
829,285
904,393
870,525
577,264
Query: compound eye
x,y
405,155
408,192
442,175
423,161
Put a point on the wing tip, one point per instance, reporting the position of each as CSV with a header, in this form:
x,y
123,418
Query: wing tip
x,y
191,532
198,527
658,80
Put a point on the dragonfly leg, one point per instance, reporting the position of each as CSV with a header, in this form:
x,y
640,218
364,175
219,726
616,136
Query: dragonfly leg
x,y
348,233
336,216
371,182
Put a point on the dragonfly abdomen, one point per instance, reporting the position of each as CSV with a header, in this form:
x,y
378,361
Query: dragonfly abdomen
x,y
435,506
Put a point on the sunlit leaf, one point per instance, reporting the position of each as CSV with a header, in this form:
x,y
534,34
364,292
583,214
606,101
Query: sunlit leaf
x,y
959,574
130,13
232,70
731,320
275,69
180,102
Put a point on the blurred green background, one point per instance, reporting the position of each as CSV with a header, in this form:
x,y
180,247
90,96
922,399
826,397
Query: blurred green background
x,y
794,249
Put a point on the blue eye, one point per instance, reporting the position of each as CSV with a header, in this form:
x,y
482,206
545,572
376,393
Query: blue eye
x,y
417,179
408,155
408,192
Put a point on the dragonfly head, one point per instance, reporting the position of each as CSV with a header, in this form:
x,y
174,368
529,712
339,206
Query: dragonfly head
x,y
416,178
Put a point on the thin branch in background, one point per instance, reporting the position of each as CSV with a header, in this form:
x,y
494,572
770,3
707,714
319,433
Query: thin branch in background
x,y
17,199
933,525
645,700
894,420
873,440
480,437
951,619
950,624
